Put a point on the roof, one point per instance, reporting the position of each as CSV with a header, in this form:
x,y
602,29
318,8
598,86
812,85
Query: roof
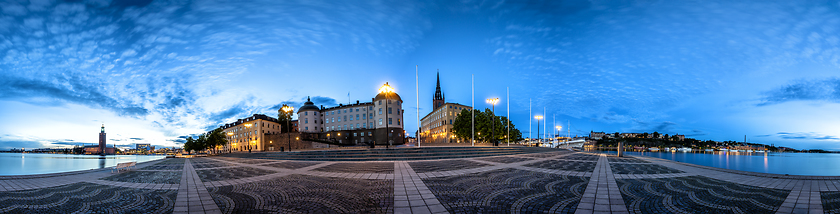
x,y
308,106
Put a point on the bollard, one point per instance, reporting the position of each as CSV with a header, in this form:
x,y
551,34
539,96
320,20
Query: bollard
x,y
282,149
620,149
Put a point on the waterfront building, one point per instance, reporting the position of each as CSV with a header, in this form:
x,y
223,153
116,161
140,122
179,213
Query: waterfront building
x,y
437,126
101,148
144,147
248,134
596,135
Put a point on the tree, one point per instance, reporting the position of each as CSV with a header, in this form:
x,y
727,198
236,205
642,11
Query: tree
x,y
656,135
285,120
462,127
215,138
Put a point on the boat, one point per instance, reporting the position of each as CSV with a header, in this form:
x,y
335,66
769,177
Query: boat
x,y
654,149
683,149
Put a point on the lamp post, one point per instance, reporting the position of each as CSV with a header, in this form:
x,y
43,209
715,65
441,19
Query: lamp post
x,y
538,117
493,102
386,89
230,135
288,110
559,128
248,126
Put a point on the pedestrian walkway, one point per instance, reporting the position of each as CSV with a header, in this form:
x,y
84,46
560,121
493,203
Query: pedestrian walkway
x,y
550,181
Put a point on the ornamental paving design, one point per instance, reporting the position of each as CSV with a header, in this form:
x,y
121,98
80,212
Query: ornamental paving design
x,y
213,164
87,198
580,157
625,160
578,166
154,177
168,164
697,194
360,167
293,164
546,154
830,201
505,159
230,173
252,161
508,190
444,165
619,168
306,194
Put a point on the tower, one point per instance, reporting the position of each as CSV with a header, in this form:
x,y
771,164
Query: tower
x,y
438,101
102,140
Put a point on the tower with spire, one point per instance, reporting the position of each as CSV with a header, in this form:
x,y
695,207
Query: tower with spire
x,y
102,140
438,100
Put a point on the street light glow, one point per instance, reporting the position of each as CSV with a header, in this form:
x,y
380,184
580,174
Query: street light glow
x,y
538,117
287,109
493,101
559,127
386,88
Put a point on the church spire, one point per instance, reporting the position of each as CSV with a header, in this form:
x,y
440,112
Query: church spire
x,y
438,99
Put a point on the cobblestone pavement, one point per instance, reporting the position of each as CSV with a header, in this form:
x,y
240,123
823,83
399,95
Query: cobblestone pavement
x,y
156,177
548,182
505,159
360,167
697,194
293,164
508,191
830,201
444,165
87,198
625,160
306,194
579,166
230,173
621,168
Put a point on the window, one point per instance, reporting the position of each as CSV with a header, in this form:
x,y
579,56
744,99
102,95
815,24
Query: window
x,y
354,134
363,116
389,110
369,134
371,125
351,126
450,121
370,108
328,128
339,119
345,127
389,121
333,120
306,128
357,116
380,121
380,110
345,110
306,113
380,102
370,115
389,101
351,118
398,112
398,121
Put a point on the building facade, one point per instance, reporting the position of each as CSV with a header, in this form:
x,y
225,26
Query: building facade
x,y
437,126
249,134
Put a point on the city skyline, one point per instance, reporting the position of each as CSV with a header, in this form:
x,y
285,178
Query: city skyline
x,y
155,72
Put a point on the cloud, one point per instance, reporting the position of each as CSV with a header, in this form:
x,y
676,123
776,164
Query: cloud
x,y
136,138
806,135
67,88
325,101
18,144
812,90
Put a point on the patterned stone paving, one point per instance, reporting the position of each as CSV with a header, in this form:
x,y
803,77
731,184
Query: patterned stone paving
x,y
580,157
306,194
293,164
619,168
214,164
252,161
697,194
830,201
230,173
625,160
87,198
159,177
444,165
167,164
578,166
546,154
361,167
508,190
505,159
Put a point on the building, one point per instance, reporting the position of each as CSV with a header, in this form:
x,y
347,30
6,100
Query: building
x,y
249,134
358,123
596,135
98,149
102,139
437,126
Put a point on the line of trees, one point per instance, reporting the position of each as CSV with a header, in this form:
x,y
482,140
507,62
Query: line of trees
x,y
483,125
206,141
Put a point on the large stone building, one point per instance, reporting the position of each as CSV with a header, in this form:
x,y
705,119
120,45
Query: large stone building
x,y
358,123
101,148
436,127
249,134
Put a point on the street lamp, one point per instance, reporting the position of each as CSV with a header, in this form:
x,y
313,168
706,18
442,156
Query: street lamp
x,y
559,128
288,110
538,117
493,102
386,89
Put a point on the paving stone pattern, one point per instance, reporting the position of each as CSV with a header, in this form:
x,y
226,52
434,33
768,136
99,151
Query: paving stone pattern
x,y
293,164
156,177
580,157
697,194
578,166
830,201
508,190
505,159
230,173
252,161
361,167
87,198
546,154
444,165
306,194
625,160
214,164
619,168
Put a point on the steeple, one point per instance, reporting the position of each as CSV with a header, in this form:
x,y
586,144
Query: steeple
x,y
103,128
438,100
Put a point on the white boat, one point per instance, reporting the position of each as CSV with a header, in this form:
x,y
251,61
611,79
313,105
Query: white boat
x,y
709,150
684,149
759,151
654,149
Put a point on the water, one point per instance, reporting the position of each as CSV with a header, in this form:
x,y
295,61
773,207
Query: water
x,y
28,164
820,164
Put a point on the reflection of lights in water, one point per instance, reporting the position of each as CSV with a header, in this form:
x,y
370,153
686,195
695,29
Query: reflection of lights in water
x,y
766,166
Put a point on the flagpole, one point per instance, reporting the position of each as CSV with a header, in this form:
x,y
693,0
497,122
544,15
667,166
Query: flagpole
x,y
530,115
508,117
472,79
417,89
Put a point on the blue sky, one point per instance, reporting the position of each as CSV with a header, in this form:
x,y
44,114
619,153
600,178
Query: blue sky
x,y
156,71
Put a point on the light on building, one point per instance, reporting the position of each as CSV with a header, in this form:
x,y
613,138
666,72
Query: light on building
x,y
386,89
248,125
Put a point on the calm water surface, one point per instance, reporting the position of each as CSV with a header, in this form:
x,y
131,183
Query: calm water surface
x,y
821,164
27,164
